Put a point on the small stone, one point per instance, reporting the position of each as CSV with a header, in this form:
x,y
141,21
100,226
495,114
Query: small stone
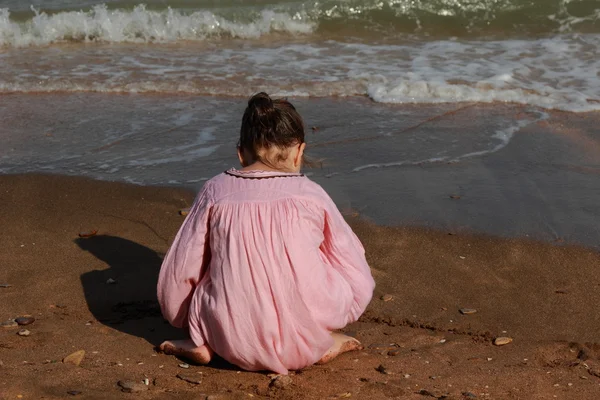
x,y
184,365
454,196
281,382
5,285
110,281
382,369
184,211
11,323
26,320
393,353
132,387
74,358
387,297
23,332
146,381
443,341
74,392
469,395
502,340
344,395
86,234
379,346
196,380
583,355
467,311
425,392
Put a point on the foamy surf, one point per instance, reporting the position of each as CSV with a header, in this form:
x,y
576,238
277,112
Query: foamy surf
x,y
142,26
553,73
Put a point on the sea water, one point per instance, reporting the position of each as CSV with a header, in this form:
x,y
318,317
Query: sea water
x,y
153,93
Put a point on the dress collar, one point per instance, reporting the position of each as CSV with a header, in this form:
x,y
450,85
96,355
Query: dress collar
x,y
259,174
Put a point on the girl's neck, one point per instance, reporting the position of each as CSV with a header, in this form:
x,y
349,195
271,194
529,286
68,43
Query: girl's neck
x,y
260,166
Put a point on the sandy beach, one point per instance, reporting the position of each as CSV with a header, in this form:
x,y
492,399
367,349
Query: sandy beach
x,y
97,294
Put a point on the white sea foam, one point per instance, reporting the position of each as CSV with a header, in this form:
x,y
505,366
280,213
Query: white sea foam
x,y
141,25
554,73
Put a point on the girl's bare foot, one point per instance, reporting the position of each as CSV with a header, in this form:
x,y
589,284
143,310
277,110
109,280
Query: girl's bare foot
x,y
341,344
187,349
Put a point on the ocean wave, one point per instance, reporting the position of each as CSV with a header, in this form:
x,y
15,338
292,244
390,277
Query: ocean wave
x,y
404,92
142,26
328,18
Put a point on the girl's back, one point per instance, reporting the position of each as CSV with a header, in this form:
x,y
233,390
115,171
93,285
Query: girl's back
x,y
263,269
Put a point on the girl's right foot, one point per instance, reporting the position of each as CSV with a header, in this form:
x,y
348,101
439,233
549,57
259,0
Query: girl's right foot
x,y
187,349
341,344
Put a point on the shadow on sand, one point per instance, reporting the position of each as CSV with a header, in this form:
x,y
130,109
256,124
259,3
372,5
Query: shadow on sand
x,y
129,304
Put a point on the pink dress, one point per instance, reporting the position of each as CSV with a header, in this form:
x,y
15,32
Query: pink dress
x,y
263,268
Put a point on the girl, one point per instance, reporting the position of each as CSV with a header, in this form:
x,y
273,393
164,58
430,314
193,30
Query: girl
x,y
264,269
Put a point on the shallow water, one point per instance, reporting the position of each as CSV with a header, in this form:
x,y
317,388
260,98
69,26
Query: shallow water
x,y
541,53
511,170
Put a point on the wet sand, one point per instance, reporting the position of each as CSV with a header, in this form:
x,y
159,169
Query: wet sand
x,y
417,345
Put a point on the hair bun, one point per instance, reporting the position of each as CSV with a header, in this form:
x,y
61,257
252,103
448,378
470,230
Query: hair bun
x,y
262,104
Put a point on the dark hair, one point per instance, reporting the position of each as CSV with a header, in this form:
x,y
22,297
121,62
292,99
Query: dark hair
x,y
268,123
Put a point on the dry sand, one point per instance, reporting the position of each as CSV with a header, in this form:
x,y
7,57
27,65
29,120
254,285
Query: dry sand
x,y
417,345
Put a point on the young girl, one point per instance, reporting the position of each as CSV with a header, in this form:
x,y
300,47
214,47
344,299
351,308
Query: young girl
x,y
264,268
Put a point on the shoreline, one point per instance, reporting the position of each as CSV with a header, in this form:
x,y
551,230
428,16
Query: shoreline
x,y
545,297
501,169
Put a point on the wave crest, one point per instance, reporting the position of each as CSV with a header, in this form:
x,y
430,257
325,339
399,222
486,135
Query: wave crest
x,y
142,25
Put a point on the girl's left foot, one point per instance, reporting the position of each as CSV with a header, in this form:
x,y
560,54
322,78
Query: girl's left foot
x,y
187,349
341,344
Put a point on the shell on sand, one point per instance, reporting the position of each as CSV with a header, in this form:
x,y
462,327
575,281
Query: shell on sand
x,y
387,297
11,323
501,341
74,358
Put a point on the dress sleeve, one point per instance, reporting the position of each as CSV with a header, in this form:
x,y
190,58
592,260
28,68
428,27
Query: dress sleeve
x,y
346,254
185,263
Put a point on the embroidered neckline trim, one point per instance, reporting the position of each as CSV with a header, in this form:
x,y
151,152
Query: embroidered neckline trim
x,y
260,174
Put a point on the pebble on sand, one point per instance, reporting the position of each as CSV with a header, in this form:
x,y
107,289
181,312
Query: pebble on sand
x,y
86,234
382,369
382,346
467,311
23,332
502,340
110,281
196,380
387,297
25,320
132,387
393,352
11,323
74,392
184,211
5,285
281,382
74,358
184,365
425,392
